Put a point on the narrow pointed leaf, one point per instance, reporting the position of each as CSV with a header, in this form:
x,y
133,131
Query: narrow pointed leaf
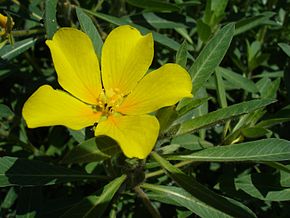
x,y
50,17
9,52
211,56
178,197
23,172
238,80
89,28
222,115
94,206
203,194
259,151
264,186
91,150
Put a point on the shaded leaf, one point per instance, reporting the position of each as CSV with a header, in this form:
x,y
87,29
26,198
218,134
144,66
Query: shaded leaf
x,y
161,23
153,5
95,206
94,149
285,47
23,172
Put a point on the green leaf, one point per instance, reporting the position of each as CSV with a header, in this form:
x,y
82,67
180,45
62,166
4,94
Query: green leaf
x,y
161,23
222,115
252,22
81,208
9,52
181,55
203,194
89,28
254,132
9,199
5,112
50,18
153,5
285,47
203,30
264,186
165,117
91,150
23,172
258,151
28,202
221,92
238,80
178,197
95,206
211,56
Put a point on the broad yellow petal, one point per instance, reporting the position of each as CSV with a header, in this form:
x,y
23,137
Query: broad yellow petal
x,y
126,57
136,135
162,87
76,64
47,107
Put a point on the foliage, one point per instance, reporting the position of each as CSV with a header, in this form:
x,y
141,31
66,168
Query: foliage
x,y
223,153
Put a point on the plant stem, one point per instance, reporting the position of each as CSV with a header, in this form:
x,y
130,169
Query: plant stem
x,y
160,172
153,211
24,32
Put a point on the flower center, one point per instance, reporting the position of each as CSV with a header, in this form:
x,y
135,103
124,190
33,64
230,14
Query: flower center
x,y
109,101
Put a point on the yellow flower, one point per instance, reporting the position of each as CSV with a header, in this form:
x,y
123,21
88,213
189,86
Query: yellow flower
x,y
3,21
117,97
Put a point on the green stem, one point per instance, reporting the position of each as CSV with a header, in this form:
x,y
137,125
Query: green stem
x,y
160,172
17,33
153,211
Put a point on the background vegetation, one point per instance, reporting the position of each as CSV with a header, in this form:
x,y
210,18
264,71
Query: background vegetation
x,y
228,147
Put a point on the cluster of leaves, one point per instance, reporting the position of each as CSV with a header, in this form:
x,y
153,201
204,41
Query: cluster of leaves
x,y
223,153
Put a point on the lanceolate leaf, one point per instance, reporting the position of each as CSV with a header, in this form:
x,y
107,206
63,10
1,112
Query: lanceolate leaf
x,y
222,115
89,28
177,196
203,194
261,150
94,149
23,172
94,206
154,5
211,56
50,17
264,186
8,52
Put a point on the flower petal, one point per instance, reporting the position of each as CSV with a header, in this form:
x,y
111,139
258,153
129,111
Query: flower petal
x,y
162,87
76,64
47,107
136,135
126,57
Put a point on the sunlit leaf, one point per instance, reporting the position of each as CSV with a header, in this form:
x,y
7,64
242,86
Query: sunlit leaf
x,y
222,115
211,56
203,194
261,150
